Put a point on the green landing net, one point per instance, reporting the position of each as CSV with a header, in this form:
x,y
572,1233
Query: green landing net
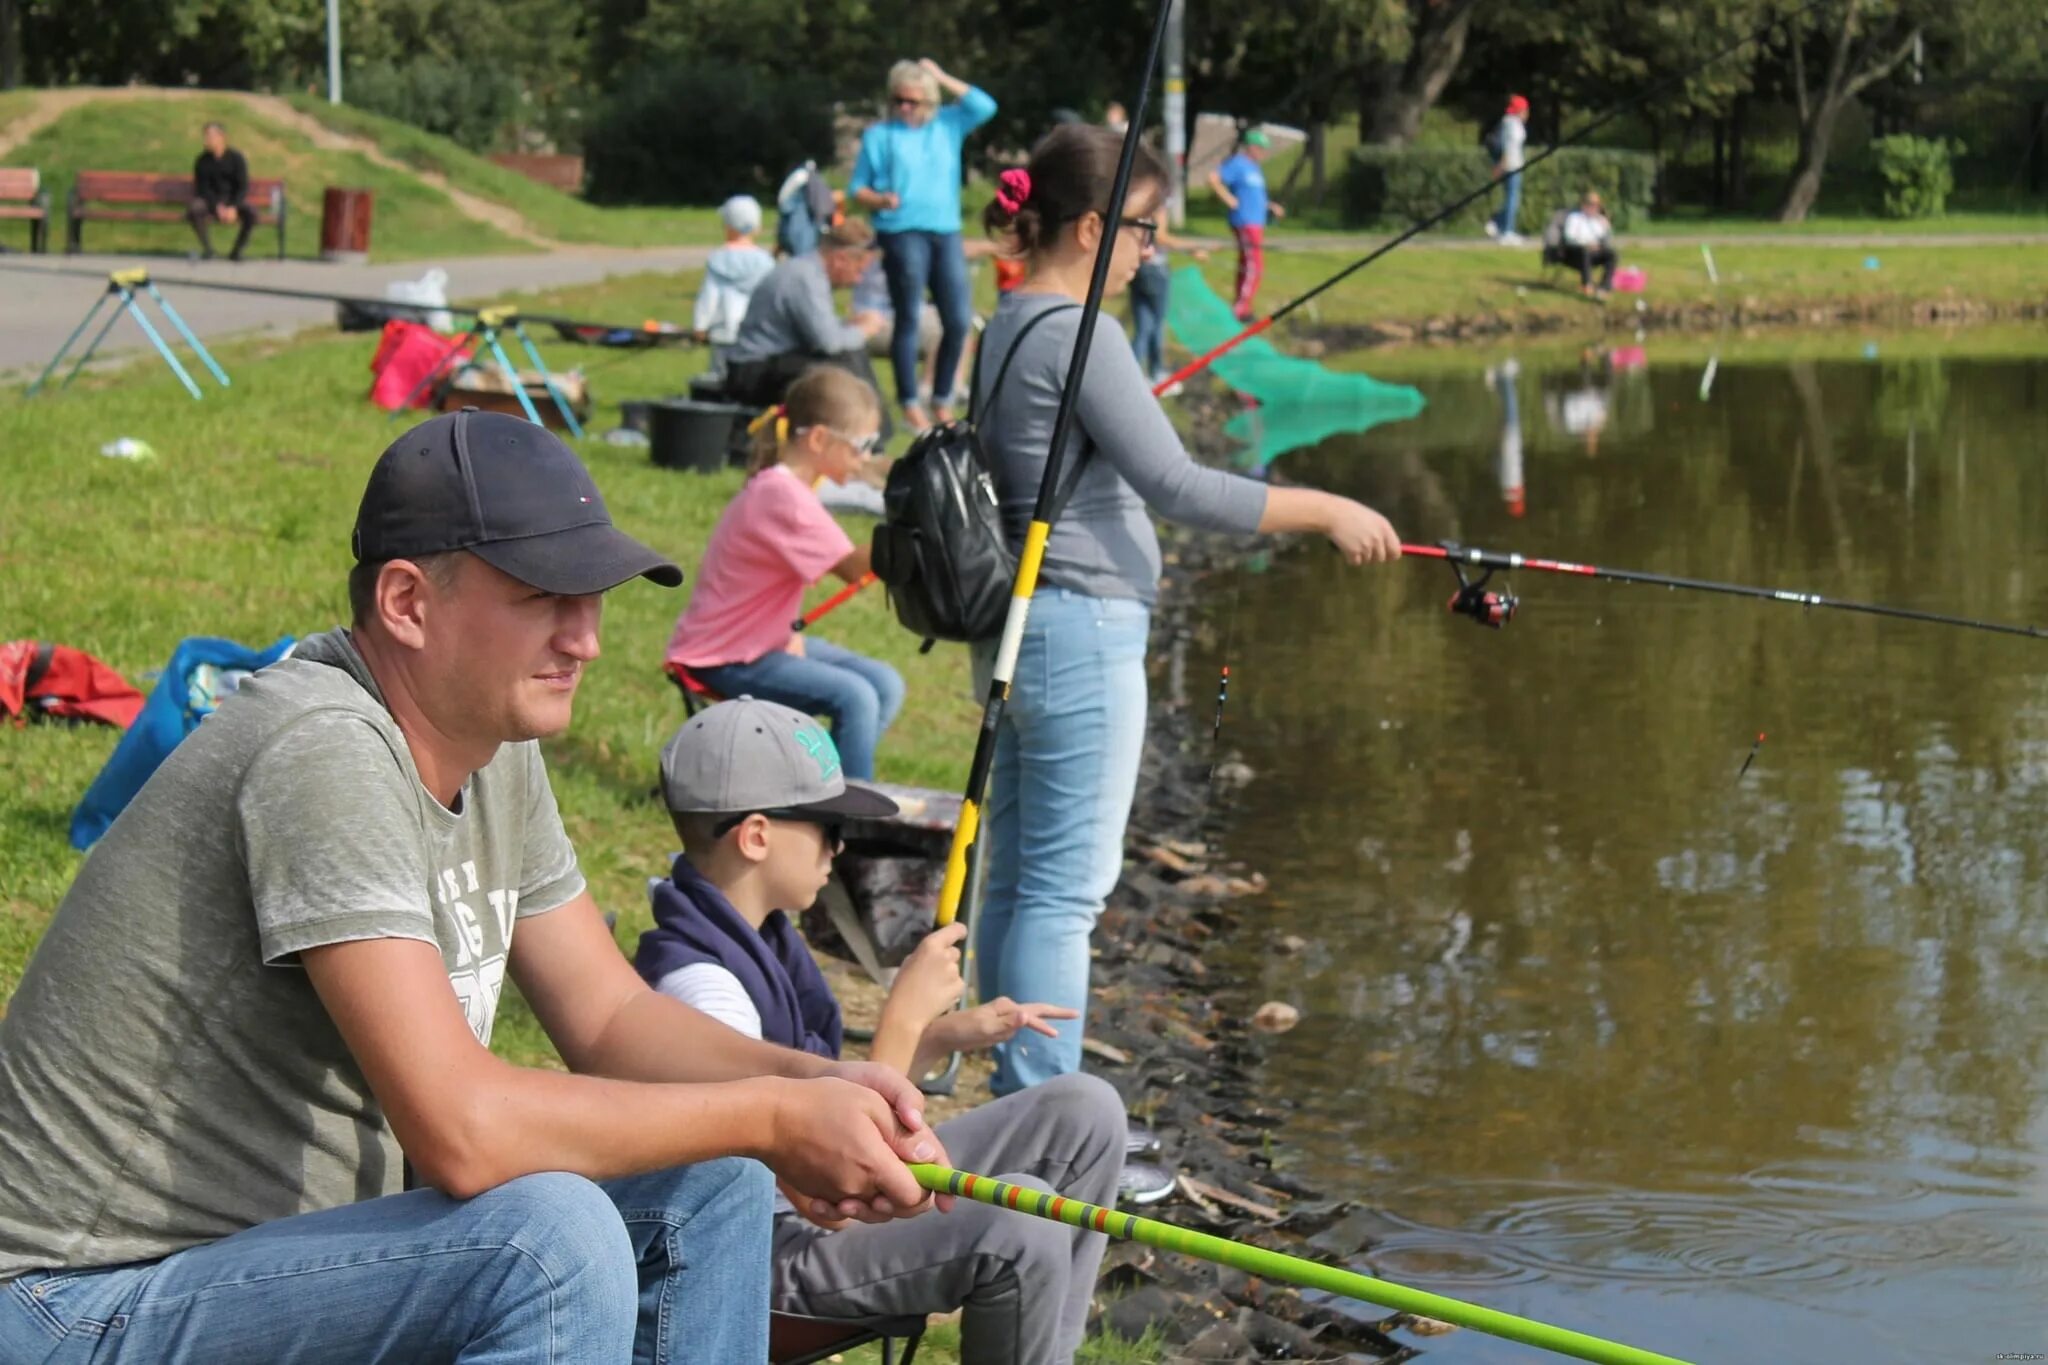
x,y
1299,402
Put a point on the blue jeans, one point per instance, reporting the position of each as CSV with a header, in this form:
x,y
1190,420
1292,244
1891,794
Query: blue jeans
x,y
548,1269
859,695
1066,768
1511,183
1148,317
913,260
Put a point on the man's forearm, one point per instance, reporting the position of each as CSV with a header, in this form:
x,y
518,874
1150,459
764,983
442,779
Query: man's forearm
x,y
656,1038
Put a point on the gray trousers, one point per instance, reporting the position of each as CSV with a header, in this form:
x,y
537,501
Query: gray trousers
x,y
1024,1282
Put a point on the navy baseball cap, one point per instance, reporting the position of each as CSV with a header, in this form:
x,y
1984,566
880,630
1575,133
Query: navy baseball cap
x,y
511,494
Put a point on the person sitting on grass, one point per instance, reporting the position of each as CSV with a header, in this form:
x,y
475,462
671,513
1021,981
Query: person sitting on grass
x,y
758,797
220,193
250,1103
731,274
1589,242
772,541
791,323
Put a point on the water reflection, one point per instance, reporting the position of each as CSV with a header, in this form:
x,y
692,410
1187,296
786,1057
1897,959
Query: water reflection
x,y
1743,1070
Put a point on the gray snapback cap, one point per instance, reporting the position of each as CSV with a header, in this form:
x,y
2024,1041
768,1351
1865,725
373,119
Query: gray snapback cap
x,y
749,755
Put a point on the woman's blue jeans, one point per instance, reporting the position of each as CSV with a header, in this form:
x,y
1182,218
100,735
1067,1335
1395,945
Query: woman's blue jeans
x,y
1511,207
859,695
912,261
1066,768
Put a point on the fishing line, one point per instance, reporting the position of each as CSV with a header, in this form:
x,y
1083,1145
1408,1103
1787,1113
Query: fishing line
x,y
1201,362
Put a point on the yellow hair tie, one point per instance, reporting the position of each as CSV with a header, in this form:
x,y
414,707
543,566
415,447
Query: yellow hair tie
x,y
781,430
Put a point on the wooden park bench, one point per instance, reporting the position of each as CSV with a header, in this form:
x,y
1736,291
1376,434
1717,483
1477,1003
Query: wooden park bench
x,y
133,193
22,196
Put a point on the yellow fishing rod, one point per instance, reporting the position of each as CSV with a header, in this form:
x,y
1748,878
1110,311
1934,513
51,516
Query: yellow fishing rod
x,y
959,860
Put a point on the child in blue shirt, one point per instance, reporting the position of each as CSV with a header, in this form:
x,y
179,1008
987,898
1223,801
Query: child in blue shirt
x,y
1240,182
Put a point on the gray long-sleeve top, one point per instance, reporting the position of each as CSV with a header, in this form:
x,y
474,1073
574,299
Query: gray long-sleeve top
x,y
791,310
1103,543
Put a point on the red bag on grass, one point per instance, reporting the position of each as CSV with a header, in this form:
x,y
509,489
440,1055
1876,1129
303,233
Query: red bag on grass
x,y
406,354
65,683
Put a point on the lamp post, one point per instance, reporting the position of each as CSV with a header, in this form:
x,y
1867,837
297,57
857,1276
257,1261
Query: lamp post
x,y
334,51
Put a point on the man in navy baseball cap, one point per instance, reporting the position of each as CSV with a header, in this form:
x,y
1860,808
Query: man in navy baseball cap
x,y
508,492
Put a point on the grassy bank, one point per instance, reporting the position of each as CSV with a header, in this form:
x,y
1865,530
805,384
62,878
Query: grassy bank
x,y
548,211
123,134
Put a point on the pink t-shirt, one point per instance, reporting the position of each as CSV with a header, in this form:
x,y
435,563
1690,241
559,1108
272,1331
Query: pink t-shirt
x,y
773,541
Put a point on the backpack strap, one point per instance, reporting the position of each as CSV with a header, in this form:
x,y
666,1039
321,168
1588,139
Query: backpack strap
x,y
1070,478
1003,370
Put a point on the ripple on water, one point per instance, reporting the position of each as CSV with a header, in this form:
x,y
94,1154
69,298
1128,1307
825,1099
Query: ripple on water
x,y
1842,1227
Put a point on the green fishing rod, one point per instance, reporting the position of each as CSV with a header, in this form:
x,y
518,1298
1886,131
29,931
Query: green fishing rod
x,y
1277,1265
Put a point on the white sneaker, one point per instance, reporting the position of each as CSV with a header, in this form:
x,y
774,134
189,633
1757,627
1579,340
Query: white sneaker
x,y
1172,391
1513,239
1492,228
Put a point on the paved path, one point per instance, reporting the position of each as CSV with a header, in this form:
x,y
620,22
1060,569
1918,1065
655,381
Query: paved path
x,y
39,306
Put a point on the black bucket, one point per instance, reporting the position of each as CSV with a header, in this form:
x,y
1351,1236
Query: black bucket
x,y
691,435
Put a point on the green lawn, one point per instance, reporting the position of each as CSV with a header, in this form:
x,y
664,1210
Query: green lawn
x,y
412,220
550,212
240,528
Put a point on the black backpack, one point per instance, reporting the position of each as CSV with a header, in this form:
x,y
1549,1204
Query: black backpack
x,y
1489,138
939,549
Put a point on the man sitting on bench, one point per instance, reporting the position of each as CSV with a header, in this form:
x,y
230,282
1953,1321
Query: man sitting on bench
x,y
220,193
791,323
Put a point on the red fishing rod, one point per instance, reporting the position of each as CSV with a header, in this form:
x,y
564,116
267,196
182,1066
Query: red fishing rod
x,y
832,603
1496,608
1201,362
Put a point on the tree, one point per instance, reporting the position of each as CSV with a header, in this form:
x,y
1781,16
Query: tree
x,y
1411,72
1865,43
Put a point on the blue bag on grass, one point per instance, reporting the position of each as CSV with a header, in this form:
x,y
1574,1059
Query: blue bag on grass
x,y
201,671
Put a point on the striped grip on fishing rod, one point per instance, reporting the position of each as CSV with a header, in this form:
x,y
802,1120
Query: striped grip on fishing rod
x,y
1277,1265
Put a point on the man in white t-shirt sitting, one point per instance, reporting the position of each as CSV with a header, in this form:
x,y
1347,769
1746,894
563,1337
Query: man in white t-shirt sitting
x,y
1589,242
758,797
268,998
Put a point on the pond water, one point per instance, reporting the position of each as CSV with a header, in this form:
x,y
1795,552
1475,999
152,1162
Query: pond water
x,y
1738,1067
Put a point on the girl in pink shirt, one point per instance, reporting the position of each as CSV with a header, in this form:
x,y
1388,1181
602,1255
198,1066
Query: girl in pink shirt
x,y
774,540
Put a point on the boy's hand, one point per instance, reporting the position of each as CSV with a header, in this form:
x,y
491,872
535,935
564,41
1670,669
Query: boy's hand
x,y
928,984
997,1021
1277,210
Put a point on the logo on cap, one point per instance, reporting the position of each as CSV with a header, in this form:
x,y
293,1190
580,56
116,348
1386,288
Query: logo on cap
x,y
822,750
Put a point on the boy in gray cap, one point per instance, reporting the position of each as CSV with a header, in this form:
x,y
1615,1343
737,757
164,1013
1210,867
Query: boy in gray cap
x,y
267,1000
757,795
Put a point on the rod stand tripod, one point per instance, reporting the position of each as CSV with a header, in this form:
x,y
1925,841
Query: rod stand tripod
x,y
485,331
128,286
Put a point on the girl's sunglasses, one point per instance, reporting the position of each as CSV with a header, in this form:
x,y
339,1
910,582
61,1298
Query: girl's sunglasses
x,y
862,445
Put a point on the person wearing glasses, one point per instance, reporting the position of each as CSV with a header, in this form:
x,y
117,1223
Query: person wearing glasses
x,y
759,798
908,178
1066,764
774,539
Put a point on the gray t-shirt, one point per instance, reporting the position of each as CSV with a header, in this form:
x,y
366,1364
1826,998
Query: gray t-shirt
x,y
1103,543
791,310
168,1075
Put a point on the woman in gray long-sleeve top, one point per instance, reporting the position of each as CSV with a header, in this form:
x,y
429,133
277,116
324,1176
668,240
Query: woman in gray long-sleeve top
x,y
1066,763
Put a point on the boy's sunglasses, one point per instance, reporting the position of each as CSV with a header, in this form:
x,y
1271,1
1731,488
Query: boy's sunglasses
x,y
833,829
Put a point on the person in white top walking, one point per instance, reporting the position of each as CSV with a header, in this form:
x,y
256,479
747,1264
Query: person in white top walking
x,y
1589,241
1508,140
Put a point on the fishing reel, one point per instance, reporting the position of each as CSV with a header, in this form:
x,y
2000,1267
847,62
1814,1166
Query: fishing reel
x,y
1472,599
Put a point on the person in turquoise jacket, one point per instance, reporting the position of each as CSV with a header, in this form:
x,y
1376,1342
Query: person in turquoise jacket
x,y
908,178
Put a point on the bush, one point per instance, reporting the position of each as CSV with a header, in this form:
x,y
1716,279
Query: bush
x,y
1396,186
1917,174
470,105
695,134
